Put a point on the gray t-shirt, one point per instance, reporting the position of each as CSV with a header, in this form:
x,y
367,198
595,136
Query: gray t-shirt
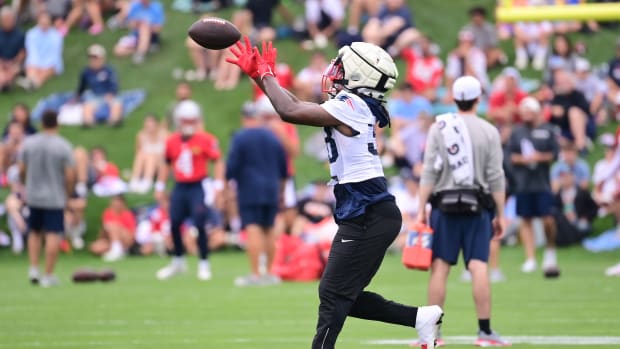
x,y
533,178
485,36
46,156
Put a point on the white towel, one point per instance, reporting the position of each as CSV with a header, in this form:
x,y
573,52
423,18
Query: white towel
x,y
459,148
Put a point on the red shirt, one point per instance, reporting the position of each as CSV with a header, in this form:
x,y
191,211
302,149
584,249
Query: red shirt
x,y
189,158
125,218
110,170
284,75
423,73
160,222
499,99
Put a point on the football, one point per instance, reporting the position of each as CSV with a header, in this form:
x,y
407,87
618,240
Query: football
x,y
214,33
85,275
107,275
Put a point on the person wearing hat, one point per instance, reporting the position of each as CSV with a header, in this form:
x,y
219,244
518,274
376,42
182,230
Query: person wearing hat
x,y
258,165
504,102
464,181
465,59
98,88
485,36
189,152
591,86
533,148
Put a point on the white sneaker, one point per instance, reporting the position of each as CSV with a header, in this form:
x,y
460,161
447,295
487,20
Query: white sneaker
x,y
171,270
33,275
466,276
550,259
613,270
113,255
496,276
427,324
529,266
134,185
204,272
77,242
48,281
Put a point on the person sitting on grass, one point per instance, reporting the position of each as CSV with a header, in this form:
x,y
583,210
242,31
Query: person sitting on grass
x,y
117,234
146,19
99,88
150,144
12,48
43,53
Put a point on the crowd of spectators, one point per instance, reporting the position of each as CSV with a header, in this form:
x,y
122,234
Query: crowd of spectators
x,y
571,97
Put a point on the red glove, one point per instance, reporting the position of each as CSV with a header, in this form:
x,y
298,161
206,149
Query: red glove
x,y
270,54
262,66
245,58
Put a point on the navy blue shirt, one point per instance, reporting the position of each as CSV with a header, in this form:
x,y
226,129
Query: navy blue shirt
x,y
614,70
402,12
100,82
11,44
257,162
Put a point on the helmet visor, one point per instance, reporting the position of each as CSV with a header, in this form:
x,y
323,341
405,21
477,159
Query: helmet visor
x,y
333,77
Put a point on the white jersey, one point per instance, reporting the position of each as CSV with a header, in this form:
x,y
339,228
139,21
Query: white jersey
x,y
352,159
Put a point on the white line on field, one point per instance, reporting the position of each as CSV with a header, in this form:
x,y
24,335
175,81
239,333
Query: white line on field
x,y
548,340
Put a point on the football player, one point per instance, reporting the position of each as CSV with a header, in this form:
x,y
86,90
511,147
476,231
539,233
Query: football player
x,y
367,216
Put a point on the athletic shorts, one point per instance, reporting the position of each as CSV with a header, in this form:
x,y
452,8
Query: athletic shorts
x,y
45,220
263,215
455,232
530,205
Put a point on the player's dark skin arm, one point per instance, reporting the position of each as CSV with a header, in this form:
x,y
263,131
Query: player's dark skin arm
x,y
292,110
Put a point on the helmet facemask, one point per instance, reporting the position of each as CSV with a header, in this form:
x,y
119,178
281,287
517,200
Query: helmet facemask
x,y
333,80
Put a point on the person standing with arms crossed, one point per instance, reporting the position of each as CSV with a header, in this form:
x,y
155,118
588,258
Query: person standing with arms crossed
x,y
464,181
47,168
188,152
367,216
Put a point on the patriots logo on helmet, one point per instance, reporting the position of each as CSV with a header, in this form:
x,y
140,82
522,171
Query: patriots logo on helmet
x,y
346,99
454,149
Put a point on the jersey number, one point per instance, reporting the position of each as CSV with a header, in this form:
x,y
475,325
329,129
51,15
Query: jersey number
x,y
184,162
332,149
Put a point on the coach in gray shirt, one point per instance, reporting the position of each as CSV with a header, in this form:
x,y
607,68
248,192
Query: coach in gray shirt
x,y
48,171
464,180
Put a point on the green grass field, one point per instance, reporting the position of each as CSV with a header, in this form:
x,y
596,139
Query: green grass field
x,y
139,312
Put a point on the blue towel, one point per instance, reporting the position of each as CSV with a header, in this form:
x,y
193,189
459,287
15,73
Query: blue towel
x,y
607,241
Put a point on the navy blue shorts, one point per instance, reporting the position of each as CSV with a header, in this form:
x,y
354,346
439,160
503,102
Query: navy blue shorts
x,y
43,220
453,232
530,205
263,215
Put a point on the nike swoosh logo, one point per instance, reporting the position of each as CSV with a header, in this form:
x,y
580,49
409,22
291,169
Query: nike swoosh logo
x,y
343,240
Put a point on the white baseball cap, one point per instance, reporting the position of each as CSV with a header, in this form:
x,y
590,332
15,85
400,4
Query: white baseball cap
x,y
582,64
466,88
187,110
531,104
96,50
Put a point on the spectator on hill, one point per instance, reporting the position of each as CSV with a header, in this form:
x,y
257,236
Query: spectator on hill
x,y
485,36
44,46
14,202
145,20
12,48
569,157
118,230
505,99
570,111
424,68
47,169
150,144
408,144
465,59
407,200
358,9
533,148
182,92
258,165
393,28
80,7
308,82
562,57
153,234
406,106
323,20
531,40
258,14
21,114
613,82
592,88
574,210
98,88
606,175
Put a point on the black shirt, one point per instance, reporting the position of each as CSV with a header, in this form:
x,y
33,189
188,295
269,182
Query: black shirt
x,y
262,11
532,178
567,101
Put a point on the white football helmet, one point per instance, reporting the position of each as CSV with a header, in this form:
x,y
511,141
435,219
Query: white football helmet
x,y
362,68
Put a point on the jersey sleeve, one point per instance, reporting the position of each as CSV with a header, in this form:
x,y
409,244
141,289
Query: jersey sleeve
x,y
346,110
212,147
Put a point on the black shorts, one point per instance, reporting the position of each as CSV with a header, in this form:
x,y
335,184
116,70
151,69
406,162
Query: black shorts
x,y
263,215
531,205
43,220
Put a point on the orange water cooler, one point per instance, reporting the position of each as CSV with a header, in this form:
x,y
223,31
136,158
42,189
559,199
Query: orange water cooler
x,y
418,251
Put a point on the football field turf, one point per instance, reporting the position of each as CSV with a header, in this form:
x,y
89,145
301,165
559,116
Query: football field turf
x,y
137,311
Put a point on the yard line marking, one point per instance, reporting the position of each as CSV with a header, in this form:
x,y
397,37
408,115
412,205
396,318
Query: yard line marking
x,y
534,340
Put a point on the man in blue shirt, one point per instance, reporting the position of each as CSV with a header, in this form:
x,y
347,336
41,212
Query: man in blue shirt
x,y
406,107
12,48
146,19
393,29
257,163
98,89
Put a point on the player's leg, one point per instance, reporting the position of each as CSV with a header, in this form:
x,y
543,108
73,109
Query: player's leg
x,y
525,210
446,246
53,226
35,240
550,261
199,212
178,213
